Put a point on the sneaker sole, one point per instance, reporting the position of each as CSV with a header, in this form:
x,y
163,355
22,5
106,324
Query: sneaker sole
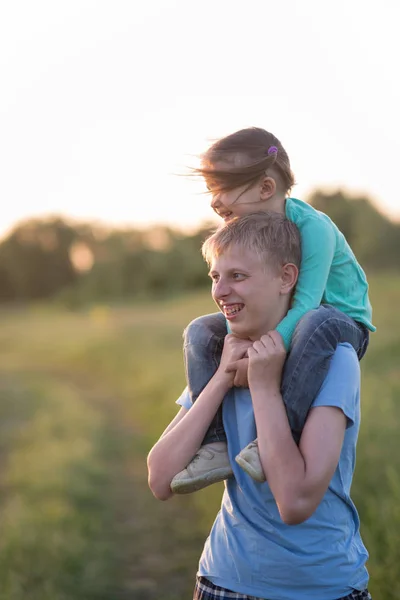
x,y
187,486
249,470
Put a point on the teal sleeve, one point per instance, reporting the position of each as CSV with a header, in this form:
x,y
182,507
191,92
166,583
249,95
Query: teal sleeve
x,y
318,243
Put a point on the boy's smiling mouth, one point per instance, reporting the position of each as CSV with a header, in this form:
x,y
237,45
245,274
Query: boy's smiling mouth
x,y
231,310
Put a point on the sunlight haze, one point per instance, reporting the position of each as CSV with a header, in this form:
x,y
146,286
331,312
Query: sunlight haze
x,y
105,104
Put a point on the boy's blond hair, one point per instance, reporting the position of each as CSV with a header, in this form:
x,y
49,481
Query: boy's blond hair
x,y
271,236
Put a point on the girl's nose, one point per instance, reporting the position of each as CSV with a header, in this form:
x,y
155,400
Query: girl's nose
x,y
216,202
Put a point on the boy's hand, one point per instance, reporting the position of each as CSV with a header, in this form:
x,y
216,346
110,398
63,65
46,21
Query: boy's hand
x,y
266,359
234,350
239,367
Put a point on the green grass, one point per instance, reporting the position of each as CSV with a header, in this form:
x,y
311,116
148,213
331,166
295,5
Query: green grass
x,y
54,520
83,397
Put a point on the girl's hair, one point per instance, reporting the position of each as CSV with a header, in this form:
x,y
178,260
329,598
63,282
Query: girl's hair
x,y
259,151
269,235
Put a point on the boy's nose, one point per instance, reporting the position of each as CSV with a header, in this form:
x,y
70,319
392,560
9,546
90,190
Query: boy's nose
x,y
221,289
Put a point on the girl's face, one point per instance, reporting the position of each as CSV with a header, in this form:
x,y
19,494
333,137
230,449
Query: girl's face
x,y
240,201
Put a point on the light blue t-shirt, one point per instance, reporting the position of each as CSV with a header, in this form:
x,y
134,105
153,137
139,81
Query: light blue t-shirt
x,y
250,550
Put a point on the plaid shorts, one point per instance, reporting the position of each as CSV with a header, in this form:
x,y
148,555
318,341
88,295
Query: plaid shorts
x,y
205,590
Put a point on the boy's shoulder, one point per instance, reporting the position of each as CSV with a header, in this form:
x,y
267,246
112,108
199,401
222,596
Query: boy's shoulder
x,y
341,387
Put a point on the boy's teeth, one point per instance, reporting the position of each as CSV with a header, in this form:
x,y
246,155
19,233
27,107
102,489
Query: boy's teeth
x,y
232,309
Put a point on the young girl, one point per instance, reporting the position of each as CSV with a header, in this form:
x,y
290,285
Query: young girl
x,y
248,172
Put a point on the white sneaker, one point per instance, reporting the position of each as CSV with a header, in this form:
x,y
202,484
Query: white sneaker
x,y
249,460
209,465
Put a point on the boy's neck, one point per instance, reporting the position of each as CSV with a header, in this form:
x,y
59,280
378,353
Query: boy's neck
x,y
281,311
275,318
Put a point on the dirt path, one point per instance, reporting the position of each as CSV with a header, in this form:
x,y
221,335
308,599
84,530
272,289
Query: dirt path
x,y
156,545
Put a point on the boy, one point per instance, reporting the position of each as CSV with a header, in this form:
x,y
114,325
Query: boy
x,y
251,547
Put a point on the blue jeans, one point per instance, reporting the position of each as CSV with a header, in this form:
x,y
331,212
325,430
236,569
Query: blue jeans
x,y
313,344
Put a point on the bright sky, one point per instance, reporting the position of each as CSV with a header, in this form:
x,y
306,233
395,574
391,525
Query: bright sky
x,y
103,102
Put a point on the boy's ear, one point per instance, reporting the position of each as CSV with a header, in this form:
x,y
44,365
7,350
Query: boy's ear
x,y
268,188
289,275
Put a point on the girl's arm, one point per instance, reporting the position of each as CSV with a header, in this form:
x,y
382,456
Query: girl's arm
x,y
298,475
318,243
183,437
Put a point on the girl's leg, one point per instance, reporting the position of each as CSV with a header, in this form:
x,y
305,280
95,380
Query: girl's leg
x,y
314,342
203,343
202,348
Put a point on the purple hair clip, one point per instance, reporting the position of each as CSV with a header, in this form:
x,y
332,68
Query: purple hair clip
x,y
272,150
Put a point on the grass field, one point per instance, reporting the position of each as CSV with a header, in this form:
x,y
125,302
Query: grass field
x,y
85,394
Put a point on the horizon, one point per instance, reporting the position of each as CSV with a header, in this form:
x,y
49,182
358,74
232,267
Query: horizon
x,y
175,227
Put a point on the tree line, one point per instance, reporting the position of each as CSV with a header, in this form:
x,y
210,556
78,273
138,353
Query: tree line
x,y
79,263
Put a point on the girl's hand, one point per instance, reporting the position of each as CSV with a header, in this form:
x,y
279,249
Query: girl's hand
x,y
266,359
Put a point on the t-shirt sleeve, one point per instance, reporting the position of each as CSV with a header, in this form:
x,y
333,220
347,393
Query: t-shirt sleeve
x,y
318,244
184,399
341,387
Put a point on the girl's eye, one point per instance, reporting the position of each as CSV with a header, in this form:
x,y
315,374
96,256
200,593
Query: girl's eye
x,y
214,278
238,276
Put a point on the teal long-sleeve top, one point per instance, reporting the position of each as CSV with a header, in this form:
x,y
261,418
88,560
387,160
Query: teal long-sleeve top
x,y
329,271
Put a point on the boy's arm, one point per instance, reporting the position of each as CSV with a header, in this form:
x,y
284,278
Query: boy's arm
x,y
299,475
175,420
183,437
318,244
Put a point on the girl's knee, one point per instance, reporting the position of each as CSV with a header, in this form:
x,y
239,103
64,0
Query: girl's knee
x,y
319,316
324,321
202,329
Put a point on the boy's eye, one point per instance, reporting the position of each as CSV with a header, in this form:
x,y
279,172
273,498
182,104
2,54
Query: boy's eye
x,y
238,276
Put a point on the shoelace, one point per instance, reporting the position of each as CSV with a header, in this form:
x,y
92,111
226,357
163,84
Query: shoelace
x,y
252,445
204,452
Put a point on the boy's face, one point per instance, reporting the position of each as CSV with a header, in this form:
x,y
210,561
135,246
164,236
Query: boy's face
x,y
248,292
